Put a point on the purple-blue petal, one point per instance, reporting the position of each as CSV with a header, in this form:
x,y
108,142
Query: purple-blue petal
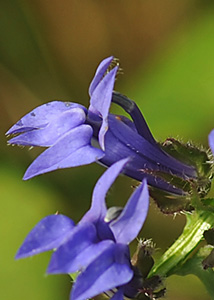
x,y
42,115
132,109
53,131
109,270
211,140
130,222
78,250
100,102
103,231
100,72
128,122
48,234
152,154
139,165
73,149
98,206
121,141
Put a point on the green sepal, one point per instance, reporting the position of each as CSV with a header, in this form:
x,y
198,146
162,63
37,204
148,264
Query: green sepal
x,y
170,203
193,156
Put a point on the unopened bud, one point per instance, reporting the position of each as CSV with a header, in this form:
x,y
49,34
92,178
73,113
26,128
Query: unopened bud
x,y
142,258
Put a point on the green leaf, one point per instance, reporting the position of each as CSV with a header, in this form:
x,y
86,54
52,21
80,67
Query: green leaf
x,y
194,266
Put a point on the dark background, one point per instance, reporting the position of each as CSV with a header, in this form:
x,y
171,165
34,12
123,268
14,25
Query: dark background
x,y
50,50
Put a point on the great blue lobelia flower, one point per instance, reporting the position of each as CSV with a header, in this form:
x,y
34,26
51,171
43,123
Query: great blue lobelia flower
x,y
97,246
76,136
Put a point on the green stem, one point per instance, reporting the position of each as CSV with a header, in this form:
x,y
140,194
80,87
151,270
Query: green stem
x,y
197,223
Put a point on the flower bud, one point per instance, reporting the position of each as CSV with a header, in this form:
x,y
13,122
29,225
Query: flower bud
x,y
142,258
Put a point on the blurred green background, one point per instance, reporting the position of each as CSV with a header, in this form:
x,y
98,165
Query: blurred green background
x,y
50,50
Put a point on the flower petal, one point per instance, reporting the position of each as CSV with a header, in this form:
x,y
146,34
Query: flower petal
x,y
101,70
211,140
48,234
54,130
73,149
98,206
78,251
42,115
121,141
132,109
101,100
109,270
131,220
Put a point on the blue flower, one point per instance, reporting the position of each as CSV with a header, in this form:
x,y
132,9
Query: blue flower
x,y
76,136
97,246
